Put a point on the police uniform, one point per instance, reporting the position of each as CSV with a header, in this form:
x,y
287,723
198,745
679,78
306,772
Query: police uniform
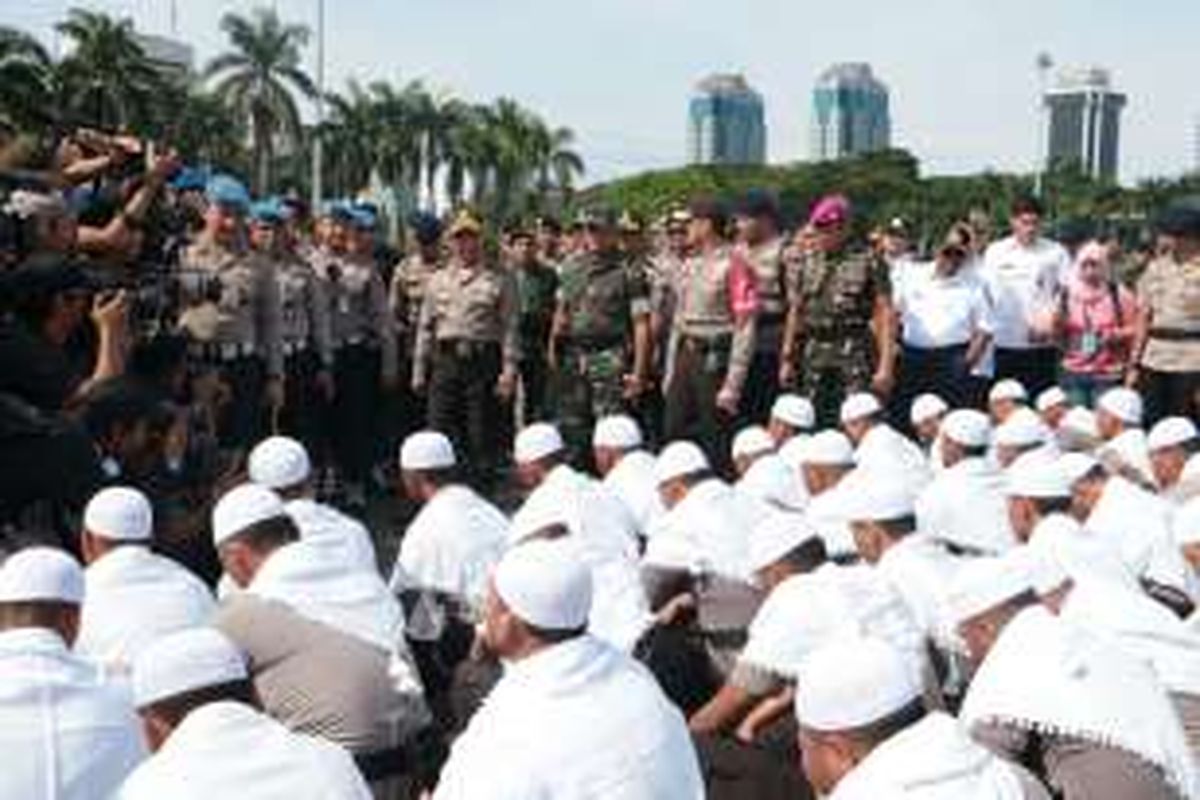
x,y
537,287
600,298
835,295
467,333
1170,362
307,341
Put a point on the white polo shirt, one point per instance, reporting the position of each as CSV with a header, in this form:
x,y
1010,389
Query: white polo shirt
x,y
1019,280
941,311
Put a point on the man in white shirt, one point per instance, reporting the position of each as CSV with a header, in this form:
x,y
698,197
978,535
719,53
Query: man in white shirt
x,y
133,595
209,738
571,719
825,461
66,733
625,467
1171,442
282,465
1023,274
879,448
1022,432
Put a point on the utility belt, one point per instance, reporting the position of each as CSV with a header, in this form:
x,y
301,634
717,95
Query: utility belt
x,y
1175,334
467,349
222,352
830,333
702,345
591,344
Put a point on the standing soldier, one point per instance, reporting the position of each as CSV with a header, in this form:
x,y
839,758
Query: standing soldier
x,y
467,348
230,308
600,346
840,317
537,286
407,292
364,343
759,242
712,338
549,241
304,326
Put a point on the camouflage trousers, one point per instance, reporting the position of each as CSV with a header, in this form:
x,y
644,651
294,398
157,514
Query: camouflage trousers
x,y
589,385
831,369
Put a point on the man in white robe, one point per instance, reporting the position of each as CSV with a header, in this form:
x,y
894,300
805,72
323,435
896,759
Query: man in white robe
x,y
879,448
1171,443
791,416
626,469
572,719
825,461
134,596
1125,448
66,733
194,695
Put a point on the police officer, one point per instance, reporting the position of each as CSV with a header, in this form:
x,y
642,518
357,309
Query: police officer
x,y
405,296
841,324
364,342
229,298
759,242
467,348
537,287
712,338
601,339
305,328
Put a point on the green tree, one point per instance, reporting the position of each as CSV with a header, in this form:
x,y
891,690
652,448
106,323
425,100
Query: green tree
x,y
259,79
26,81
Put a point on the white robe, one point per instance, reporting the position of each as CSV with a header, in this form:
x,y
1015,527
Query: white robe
x,y
965,505
1139,524
770,485
706,531
133,597
341,535
576,721
228,749
1130,450
921,571
64,732
632,481
824,512
451,546
934,759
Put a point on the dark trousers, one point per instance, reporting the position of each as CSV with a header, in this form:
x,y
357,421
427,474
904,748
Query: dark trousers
x,y
762,386
463,403
1036,368
241,421
940,370
304,415
356,386
535,389
1170,393
691,411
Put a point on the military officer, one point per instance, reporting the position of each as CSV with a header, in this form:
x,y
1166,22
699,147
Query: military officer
x,y
230,308
600,345
468,349
537,287
305,330
840,329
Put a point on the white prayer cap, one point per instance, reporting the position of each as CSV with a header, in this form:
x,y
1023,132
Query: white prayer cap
x,y
1036,475
853,681
828,448
678,459
986,582
1022,428
241,507
1081,421
859,405
619,431
185,661
279,462
876,501
1054,396
41,573
541,510
1170,432
535,442
967,427
426,450
120,514
1186,525
1123,403
778,534
1075,465
926,407
546,583
1007,389
794,410
752,440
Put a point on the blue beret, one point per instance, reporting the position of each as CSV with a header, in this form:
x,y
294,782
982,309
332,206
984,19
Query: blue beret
x,y
193,179
226,190
363,217
268,211
426,227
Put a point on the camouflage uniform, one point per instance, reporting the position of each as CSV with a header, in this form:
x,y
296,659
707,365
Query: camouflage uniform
x,y
537,287
230,307
835,294
600,296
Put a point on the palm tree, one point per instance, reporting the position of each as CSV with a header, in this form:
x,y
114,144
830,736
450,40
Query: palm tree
x,y
26,81
258,78
107,80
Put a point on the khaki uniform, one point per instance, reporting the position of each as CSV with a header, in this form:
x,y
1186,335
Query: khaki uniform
x,y
835,294
709,350
1170,363
307,340
467,333
231,310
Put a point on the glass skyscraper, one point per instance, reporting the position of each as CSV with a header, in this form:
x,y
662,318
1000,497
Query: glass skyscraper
x,y
725,123
1085,122
850,113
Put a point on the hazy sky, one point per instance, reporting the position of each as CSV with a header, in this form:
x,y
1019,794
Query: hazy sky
x,y
963,84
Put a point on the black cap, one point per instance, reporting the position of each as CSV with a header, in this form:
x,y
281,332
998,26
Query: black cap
x,y
1181,218
758,203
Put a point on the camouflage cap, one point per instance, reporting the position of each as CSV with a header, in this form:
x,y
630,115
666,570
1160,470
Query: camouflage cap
x,y
465,223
